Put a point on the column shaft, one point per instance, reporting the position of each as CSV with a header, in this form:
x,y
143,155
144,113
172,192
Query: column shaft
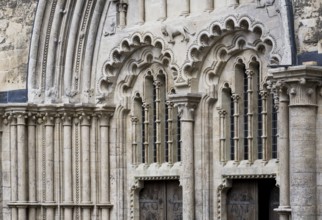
x,y
13,164
32,165
22,162
283,155
68,171
163,10
187,178
86,177
141,11
303,161
185,8
105,183
49,141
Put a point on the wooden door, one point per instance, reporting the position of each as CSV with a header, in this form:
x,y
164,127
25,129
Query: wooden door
x,y
161,200
242,201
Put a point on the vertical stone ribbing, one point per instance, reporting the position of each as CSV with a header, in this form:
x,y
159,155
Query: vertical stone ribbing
x,y
50,178
171,153
134,121
235,98
105,176
68,169
265,149
86,181
147,159
22,162
157,122
222,122
32,166
13,164
250,114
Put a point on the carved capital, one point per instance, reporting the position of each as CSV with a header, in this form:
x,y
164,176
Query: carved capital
x,y
250,73
222,113
303,93
134,120
300,82
157,84
235,97
122,7
67,119
186,105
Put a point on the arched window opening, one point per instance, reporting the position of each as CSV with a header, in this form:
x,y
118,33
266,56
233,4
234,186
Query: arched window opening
x,y
160,127
249,131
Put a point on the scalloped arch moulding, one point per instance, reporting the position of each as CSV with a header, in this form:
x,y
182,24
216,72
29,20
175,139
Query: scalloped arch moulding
x,y
222,40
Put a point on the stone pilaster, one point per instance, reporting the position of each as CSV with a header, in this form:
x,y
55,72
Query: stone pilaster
x,y
104,124
301,83
187,106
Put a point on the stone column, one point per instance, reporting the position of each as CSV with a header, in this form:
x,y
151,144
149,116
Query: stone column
x,y
32,168
185,8
209,6
105,166
141,12
281,103
301,83
68,170
13,164
49,176
163,10
22,162
187,105
223,147
122,8
302,150
86,177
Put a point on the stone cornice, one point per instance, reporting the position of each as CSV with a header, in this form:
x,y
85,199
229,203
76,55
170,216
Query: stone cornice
x,y
295,73
299,82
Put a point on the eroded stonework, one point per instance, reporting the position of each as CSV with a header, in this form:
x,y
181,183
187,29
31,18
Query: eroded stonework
x,y
148,109
16,20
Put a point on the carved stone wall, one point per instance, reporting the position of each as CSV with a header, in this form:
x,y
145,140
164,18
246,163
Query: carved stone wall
x,y
113,84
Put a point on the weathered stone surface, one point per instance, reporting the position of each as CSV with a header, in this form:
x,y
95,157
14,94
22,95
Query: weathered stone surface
x,y
16,20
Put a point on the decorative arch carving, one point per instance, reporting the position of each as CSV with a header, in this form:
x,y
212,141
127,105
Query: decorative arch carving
x,y
133,55
223,40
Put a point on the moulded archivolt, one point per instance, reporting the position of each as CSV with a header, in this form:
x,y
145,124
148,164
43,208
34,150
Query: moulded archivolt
x,y
121,58
244,32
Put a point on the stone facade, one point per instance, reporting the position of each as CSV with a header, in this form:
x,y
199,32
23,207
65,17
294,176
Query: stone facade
x,y
155,109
